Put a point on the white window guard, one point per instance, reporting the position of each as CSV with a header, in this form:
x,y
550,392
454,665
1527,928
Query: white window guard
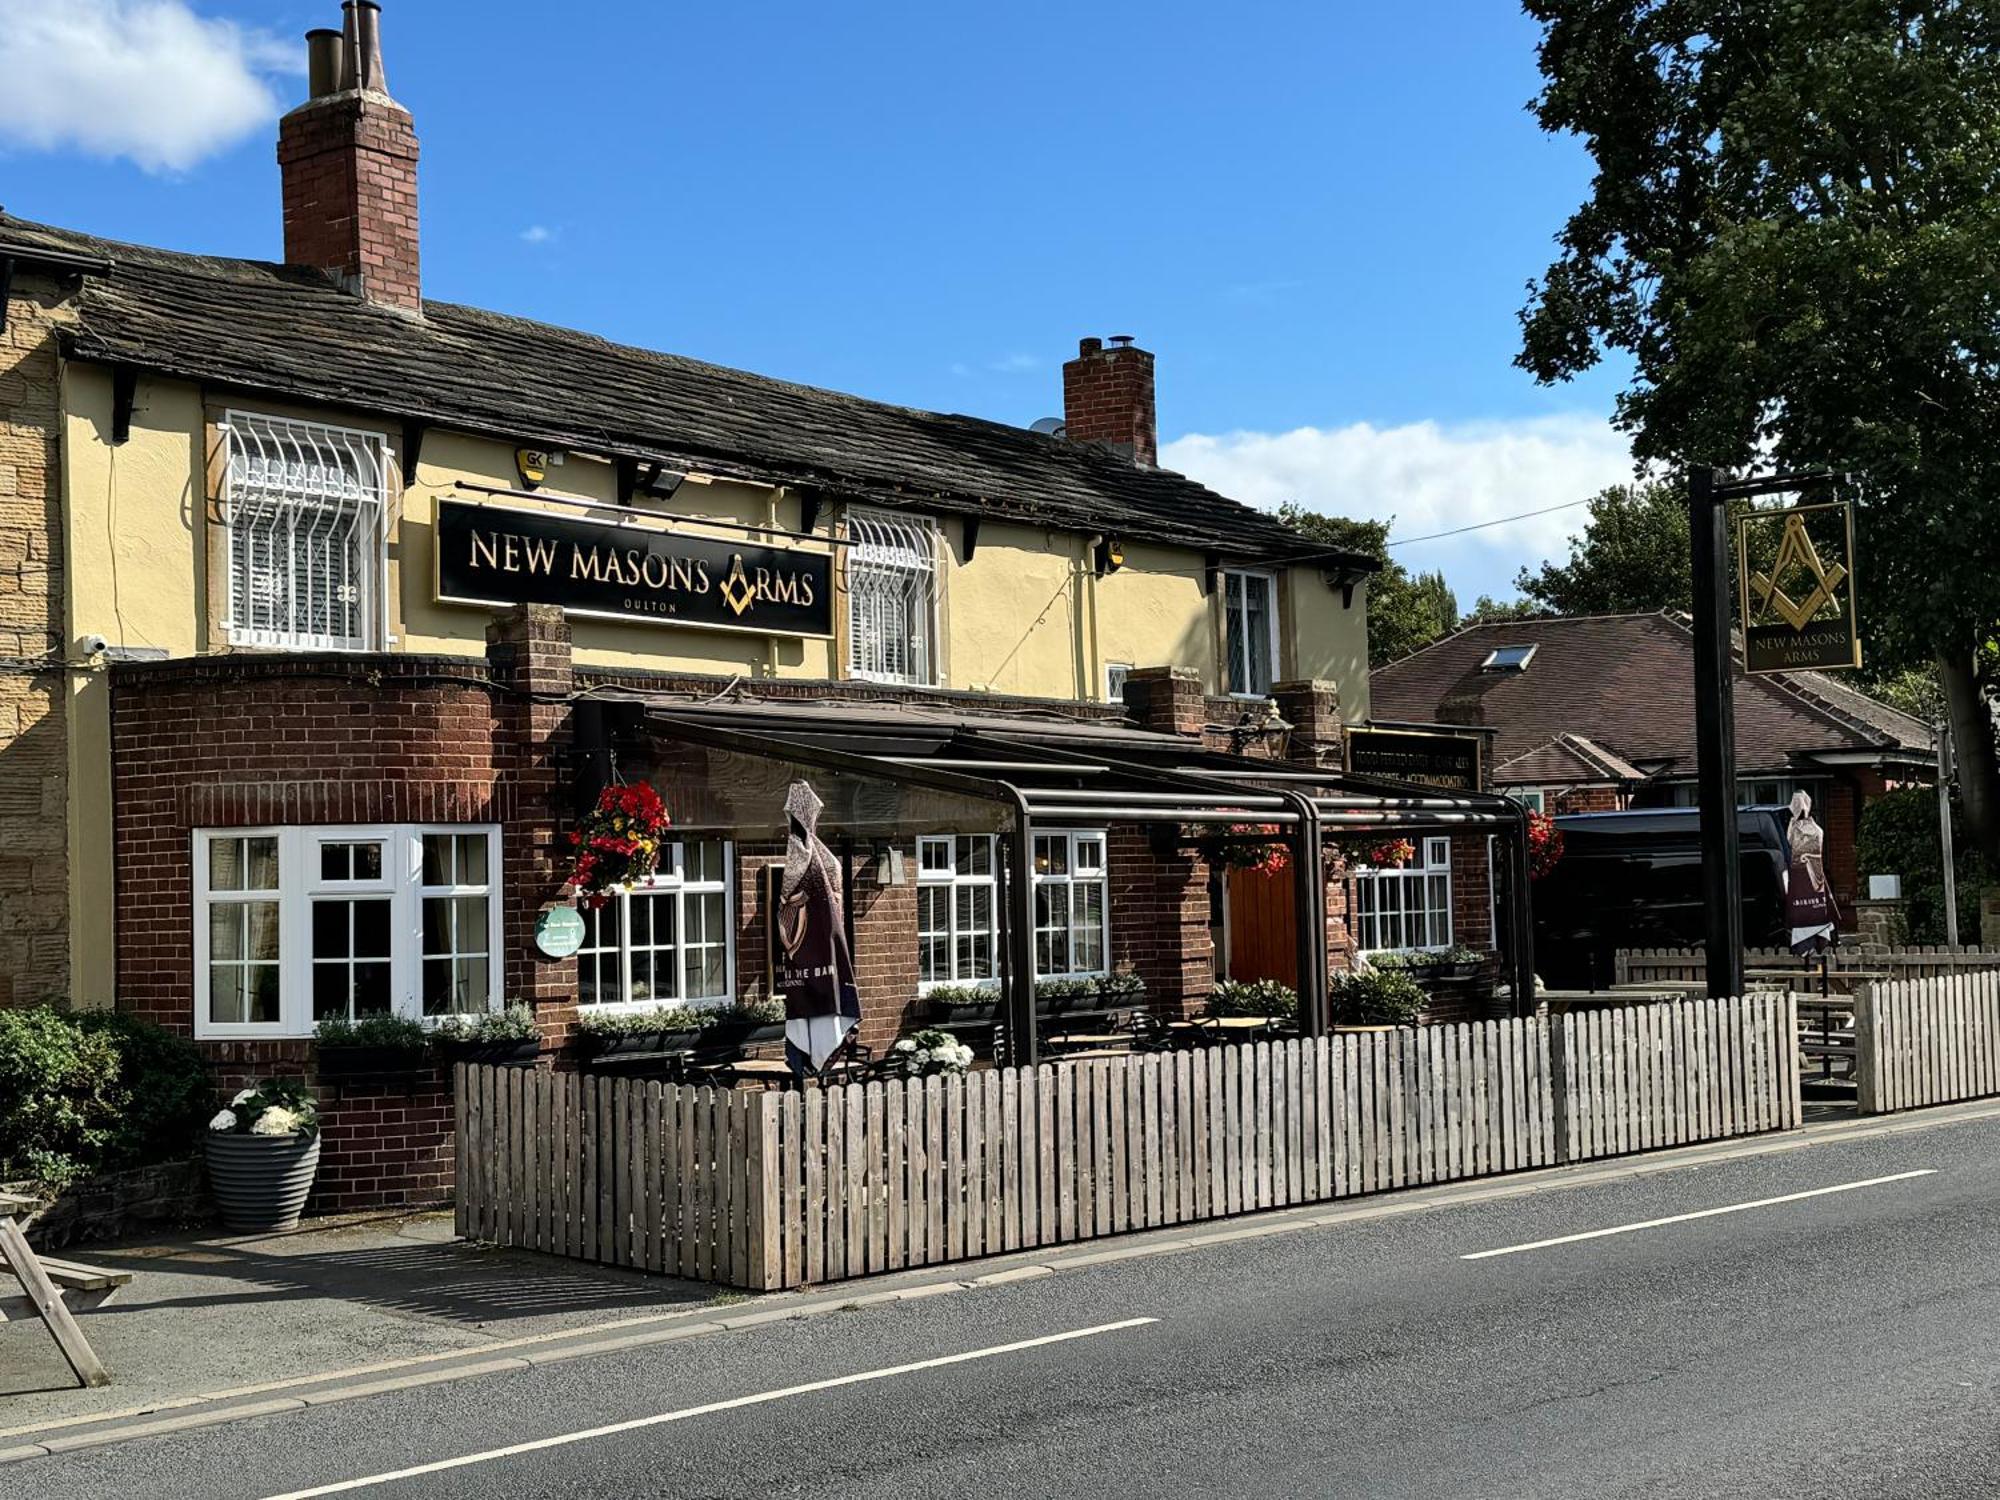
x,y
891,597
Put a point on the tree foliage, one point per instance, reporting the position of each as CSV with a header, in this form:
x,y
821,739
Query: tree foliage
x,y
1406,611
1899,836
1794,234
1632,555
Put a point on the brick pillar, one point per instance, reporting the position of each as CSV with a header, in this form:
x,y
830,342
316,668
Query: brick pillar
x,y
1166,700
1312,708
1880,924
528,649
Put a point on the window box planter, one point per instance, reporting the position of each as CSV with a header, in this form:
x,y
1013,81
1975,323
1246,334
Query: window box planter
x,y
260,1182
741,1033
509,1053
369,1059
948,1011
591,1046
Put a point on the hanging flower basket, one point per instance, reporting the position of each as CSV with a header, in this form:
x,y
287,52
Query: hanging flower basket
x,y
1545,845
1246,846
1391,854
618,842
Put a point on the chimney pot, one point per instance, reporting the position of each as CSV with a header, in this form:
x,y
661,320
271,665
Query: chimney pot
x,y
1122,340
1089,346
323,49
368,39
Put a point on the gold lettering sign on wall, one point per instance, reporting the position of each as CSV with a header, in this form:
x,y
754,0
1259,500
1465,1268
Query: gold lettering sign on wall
x,y
1795,572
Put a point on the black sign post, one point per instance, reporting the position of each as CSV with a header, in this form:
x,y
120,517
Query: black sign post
x,y
501,555
1715,735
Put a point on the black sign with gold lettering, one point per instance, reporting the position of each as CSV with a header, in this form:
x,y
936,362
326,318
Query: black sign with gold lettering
x,y
1430,759
1795,572
498,555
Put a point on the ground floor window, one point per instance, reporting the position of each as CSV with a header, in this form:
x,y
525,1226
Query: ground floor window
x,y
957,911
670,940
1072,906
293,926
1405,908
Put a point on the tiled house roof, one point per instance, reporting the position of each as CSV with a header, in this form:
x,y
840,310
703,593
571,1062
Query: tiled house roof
x,y
292,332
1566,758
1626,682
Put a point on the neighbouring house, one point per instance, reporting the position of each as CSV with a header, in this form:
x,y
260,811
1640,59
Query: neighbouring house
x,y
328,608
1596,713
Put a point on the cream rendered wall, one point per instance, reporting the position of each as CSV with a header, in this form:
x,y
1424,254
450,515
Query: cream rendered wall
x,y
1330,641
1152,613
131,517
1010,617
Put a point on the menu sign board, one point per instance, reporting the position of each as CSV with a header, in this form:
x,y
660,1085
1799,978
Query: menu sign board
x,y
1440,760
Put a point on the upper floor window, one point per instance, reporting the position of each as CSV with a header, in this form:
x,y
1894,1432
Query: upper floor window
x,y
891,597
1115,673
298,925
1250,605
304,506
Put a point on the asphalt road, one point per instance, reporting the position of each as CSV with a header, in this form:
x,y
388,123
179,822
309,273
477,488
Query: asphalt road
x,y
1846,1344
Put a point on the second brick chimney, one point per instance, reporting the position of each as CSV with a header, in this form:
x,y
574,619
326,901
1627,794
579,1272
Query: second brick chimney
x,y
349,161
1108,398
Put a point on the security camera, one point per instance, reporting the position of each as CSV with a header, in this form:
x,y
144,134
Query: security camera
x,y
93,645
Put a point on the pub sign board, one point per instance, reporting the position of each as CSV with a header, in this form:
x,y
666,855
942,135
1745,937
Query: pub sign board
x,y
1795,570
499,555
1440,760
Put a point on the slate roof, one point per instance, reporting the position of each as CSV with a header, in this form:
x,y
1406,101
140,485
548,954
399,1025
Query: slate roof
x,y
1626,682
292,332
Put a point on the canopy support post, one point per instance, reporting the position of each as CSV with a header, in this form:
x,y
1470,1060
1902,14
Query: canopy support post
x,y
1023,1045
1309,913
1521,922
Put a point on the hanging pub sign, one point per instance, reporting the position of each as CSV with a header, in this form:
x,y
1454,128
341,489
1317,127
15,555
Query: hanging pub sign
x,y
1416,755
496,555
1795,569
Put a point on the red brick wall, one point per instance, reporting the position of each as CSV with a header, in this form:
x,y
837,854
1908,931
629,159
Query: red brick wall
x,y
1587,799
349,164
1108,398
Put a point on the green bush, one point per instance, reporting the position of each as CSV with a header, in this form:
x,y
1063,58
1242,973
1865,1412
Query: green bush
x,y
1253,997
94,1091
1899,836
1375,997
600,1023
514,1024
400,1032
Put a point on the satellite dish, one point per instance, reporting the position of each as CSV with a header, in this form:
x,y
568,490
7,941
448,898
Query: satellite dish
x,y
1048,426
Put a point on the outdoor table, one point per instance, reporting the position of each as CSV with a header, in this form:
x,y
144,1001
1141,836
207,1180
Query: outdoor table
x,y
1217,1026
42,1289
1066,1040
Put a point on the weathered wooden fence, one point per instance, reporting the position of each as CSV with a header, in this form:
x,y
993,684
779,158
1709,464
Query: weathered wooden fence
x,y
1927,1041
784,1189
1689,965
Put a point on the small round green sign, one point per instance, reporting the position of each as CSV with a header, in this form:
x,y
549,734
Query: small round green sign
x,y
559,931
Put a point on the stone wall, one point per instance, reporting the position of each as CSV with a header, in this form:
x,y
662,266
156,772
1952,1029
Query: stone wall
x,y
34,862
117,1205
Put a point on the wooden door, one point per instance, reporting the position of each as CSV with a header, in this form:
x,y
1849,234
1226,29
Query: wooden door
x,y
1263,928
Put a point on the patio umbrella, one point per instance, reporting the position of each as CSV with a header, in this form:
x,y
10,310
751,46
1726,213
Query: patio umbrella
x,y
816,970
1808,898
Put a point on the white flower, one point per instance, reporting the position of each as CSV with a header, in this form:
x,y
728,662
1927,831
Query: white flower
x,y
225,1119
243,1096
277,1120
906,1045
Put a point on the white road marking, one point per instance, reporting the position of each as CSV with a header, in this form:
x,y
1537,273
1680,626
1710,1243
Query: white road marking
x,y
1706,1213
685,1413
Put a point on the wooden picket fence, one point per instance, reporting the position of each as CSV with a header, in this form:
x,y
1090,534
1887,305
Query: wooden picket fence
x,y
1914,961
1927,1041
763,1189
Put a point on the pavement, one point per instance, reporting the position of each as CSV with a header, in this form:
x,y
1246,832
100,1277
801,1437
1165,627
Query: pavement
x,y
1812,1314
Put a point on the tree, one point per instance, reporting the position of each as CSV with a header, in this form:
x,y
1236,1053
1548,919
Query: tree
x,y
1632,555
1490,611
1794,235
1406,611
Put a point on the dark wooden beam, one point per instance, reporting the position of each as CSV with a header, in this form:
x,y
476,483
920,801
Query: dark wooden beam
x,y
808,509
971,537
413,448
124,387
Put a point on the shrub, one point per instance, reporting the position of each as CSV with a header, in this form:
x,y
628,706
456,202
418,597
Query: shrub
x,y
1253,997
596,1021
1899,836
514,1024
1375,997
962,994
94,1091
400,1032
277,1106
1105,987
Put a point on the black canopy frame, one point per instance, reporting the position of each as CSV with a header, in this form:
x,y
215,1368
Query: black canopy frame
x,y
1056,774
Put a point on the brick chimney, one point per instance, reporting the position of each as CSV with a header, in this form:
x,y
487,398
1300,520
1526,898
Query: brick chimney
x,y
1108,398
349,160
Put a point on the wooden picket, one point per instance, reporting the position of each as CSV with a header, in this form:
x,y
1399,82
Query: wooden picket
x,y
1927,1041
786,1189
1912,961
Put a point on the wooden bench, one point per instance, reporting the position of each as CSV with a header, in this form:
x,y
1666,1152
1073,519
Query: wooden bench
x,y
54,1291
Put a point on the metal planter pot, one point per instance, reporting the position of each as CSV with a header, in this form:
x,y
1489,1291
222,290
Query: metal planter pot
x,y
260,1182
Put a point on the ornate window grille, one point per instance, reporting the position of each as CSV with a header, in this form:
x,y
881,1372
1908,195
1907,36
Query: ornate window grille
x,y
306,510
891,597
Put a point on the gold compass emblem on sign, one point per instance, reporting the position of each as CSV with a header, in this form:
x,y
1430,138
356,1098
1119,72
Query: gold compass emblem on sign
x,y
736,590
1797,555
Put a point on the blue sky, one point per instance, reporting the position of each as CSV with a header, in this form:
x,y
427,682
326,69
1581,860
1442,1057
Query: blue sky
x,y
1319,217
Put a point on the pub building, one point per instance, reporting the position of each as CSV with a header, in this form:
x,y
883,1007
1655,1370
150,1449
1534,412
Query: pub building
x,y
329,610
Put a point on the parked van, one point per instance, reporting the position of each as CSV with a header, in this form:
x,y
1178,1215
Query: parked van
x,y
1633,880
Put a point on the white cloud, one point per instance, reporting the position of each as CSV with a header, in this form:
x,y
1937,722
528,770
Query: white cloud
x,y
1015,364
539,234
144,79
1430,477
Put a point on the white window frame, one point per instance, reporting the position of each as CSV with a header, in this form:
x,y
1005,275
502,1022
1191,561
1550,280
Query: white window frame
x,y
671,879
1078,874
951,879
1534,798
1237,672
360,509
300,885
1115,674
902,548
1433,858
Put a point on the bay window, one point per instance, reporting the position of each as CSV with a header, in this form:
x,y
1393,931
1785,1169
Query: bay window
x,y
668,941
1400,909
957,936
297,925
